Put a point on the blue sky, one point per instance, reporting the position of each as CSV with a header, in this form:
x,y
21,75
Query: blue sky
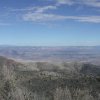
x,y
50,22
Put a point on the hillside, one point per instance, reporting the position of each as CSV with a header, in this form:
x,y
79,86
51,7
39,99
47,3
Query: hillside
x,y
48,81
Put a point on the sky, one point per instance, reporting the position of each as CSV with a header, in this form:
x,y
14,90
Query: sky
x,y
50,22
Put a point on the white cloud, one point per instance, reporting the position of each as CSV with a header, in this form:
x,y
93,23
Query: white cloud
x,y
92,3
40,14
45,8
40,17
43,17
92,19
68,2
37,9
23,9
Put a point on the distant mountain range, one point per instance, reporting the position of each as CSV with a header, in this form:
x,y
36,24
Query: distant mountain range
x,y
57,53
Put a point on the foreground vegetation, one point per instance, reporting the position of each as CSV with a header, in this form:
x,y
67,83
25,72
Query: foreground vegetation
x,y
48,81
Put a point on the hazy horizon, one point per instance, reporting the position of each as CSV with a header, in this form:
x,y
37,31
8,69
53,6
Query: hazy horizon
x,y
9,45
